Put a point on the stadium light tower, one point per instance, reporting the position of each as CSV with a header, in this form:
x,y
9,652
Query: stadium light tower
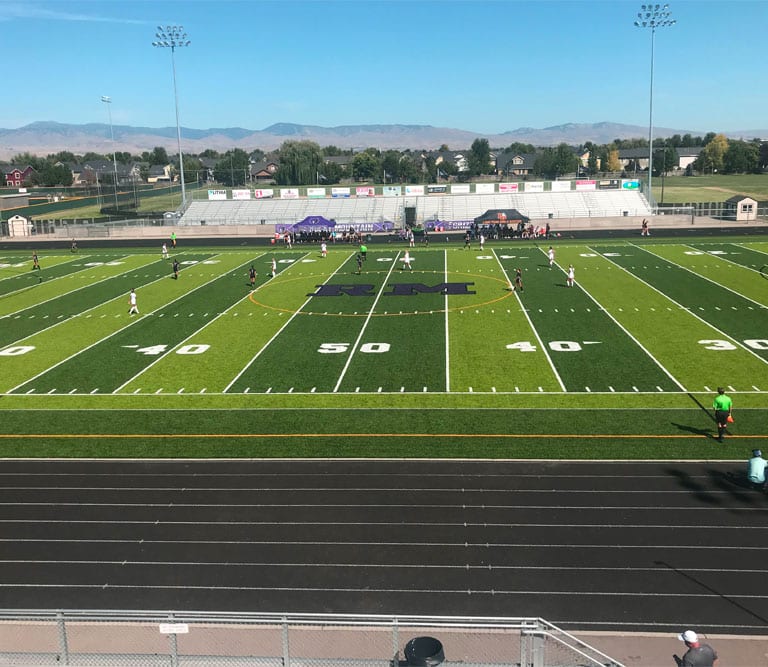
x,y
108,101
652,16
173,37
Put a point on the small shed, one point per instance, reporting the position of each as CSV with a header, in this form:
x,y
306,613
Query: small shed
x,y
740,208
18,225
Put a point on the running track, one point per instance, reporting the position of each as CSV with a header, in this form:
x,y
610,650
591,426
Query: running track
x,y
616,546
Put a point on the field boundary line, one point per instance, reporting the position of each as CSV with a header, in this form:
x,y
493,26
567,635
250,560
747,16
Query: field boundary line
x,y
174,347
703,277
114,333
531,325
365,324
279,331
683,308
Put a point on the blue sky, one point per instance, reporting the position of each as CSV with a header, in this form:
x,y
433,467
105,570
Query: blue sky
x,y
480,65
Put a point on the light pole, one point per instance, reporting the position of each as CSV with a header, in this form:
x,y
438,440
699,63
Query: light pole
x,y
108,101
652,16
171,37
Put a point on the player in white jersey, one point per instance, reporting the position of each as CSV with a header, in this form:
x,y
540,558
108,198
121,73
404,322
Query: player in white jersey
x,y
133,303
571,276
165,251
407,261
551,255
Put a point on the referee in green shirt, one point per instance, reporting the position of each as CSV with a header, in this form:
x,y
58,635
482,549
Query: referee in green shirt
x,y
722,405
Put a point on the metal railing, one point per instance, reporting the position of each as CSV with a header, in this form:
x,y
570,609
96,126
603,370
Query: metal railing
x,y
147,639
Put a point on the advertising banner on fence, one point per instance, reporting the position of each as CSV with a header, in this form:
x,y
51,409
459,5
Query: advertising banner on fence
x,y
586,185
241,194
342,193
633,184
289,193
561,186
609,184
485,188
461,189
414,190
509,187
217,194
316,193
535,186
437,189
263,194
365,191
391,190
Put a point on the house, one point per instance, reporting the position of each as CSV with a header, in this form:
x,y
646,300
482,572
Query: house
x,y
687,156
16,176
160,173
263,171
515,164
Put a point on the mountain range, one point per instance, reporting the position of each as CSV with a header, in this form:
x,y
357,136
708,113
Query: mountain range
x,y
46,137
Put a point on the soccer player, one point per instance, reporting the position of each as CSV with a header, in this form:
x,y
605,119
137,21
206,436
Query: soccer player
x,y
164,250
35,261
723,406
175,269
364,251
467,241
359,259
551,255
252,276
274,267
132,301
407,261
73,247
571,275
173,240
518,280
324,249
482,241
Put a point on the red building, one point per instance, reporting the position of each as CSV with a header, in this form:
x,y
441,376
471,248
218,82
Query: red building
x,y
16,177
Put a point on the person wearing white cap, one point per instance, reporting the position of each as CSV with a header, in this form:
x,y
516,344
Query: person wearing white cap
x,y
698,653
756,468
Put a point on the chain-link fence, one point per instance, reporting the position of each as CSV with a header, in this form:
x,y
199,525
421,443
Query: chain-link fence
x,y
150,639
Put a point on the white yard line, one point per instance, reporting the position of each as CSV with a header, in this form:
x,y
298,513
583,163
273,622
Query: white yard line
x,y
637,342
278,332
703,277
365,324
533,329
192,335
131,323
683,308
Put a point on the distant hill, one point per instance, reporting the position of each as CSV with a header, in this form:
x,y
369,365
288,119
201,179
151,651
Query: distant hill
x,y
45,137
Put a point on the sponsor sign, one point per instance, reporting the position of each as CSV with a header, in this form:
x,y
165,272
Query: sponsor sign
x,y
365,191
460,189
392,190
241,194
633,184
561,186
437,189
534,186
174,629
509,187
289,193
485,188
316,193
263,194
586,185
414,190
217,194
367,227
609,184
340,193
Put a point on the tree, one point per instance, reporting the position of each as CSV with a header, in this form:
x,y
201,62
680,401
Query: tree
x,y
331,172
300,163
665,160
711,156
193,169
366,166
479,159
27,159
158,156
390,165
612,162
741,158
231,169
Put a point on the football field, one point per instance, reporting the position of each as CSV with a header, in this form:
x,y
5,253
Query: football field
x,y
324,355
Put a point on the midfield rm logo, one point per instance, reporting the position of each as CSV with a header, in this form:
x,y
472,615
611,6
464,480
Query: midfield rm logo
x,y
398,289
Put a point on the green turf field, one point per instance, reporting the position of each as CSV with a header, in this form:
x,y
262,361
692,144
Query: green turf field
x,y
441,360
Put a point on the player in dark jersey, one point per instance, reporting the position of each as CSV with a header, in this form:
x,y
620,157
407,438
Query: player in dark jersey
x,y
175,269
518,280
35,261
252,276
359,259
